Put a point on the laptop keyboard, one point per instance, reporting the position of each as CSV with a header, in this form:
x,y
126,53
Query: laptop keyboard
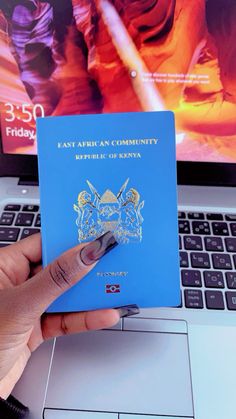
x,y
207,244
18,222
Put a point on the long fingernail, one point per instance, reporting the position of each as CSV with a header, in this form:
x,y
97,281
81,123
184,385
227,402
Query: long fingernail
x,y
98,248
129,310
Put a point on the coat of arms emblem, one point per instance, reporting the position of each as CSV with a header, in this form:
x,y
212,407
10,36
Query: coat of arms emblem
x,y
119,213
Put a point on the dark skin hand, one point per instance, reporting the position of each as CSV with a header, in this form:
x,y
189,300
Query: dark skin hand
x,y
23,326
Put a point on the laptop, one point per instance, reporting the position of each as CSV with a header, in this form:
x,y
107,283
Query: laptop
x,y
82,57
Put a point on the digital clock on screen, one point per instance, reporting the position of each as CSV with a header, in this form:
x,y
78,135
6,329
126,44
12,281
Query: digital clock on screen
x,y
25,112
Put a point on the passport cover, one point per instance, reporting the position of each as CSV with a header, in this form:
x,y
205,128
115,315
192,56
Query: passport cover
x,y
112,172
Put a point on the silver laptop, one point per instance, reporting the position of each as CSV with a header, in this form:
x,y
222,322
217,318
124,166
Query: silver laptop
x,y
109,56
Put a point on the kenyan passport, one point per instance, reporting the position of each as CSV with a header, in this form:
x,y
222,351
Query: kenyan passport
x,y
117,173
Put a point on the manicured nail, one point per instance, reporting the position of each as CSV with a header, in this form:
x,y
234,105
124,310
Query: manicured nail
x,y
98,248
127,311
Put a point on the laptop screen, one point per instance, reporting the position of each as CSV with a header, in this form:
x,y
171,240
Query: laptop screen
x,y
74,56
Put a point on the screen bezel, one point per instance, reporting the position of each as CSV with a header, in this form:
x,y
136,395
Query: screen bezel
x,y
189,173
16,165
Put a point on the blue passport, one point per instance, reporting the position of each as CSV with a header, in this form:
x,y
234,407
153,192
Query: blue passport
x,y
112,172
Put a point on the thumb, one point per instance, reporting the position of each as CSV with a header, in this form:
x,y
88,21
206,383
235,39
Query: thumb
x,y
41,290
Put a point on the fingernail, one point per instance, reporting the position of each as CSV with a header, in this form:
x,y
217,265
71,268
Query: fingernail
x,y
98,248
127,311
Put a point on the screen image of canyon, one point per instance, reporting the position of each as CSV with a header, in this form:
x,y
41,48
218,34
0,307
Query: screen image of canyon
x,y
72,57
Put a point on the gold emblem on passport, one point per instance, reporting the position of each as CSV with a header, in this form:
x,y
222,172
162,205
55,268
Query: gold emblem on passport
x,y
119,213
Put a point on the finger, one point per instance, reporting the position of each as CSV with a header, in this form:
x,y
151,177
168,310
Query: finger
x,y
41,290
15,260
30,248
66,324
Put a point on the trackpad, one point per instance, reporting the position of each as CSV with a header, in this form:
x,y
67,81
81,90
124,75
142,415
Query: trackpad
x,y
122,372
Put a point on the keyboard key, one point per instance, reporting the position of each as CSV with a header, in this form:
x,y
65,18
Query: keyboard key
x,y
30,208
4,244
193,243
191,278
200,227
230,244
196,216
220,229
233,229
181,215
28,232
193,299
200,260
213,279
221,261
231,300
230,217
7,218
231,279
214,244
24,219
38,221
183,259
9,234
234,258
214,300
12,207
180,243
184,227
215,217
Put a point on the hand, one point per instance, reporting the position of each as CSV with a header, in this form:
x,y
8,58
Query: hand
x,y
26,290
